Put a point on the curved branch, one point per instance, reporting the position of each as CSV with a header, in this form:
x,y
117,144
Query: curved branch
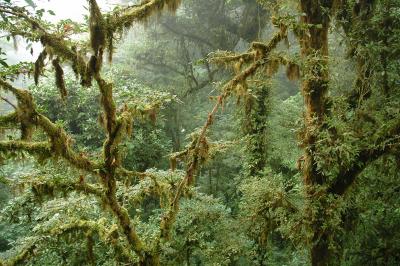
x,y
347,176
105,235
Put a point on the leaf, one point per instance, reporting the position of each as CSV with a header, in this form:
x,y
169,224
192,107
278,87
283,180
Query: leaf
x,y
3,180
51,12
3,63
31,3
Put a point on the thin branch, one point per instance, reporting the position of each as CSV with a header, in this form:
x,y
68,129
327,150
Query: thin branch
x,y
9,102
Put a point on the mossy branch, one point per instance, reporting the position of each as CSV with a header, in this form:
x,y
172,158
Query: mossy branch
x,y
61,143
387,142
257,51
106,235
23,255
49,186
33,148
124,18
9,120
195,152
116,129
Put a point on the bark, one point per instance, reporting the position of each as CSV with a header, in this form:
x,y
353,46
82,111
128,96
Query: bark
x,y
150,260
314,47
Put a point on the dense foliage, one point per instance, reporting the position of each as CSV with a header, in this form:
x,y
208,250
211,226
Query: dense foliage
x,y
213,132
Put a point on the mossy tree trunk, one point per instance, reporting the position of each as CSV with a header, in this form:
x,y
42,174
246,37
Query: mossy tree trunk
x,y
255,129
314,48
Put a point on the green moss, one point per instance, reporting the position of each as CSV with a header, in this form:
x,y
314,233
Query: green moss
x,y
39,65
9,120
97,27
59,77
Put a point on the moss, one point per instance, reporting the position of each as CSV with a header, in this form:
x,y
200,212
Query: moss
x,y
26,131
59,77
24,255
97,27
293,71
39,65
272,66
123,19
9,120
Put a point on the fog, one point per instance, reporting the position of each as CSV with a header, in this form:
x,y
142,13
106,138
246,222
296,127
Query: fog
x,y
70,9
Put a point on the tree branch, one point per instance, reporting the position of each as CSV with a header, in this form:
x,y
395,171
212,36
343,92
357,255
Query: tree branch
x,y
386,144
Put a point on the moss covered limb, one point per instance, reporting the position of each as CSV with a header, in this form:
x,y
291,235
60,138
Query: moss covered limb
x,y
121,19
388,142
124,18
9,120
33,148
169,217
125,224
257,51
196,154
107,235
59,46
223,57
50,186
122,173
61,143
25,254
116,129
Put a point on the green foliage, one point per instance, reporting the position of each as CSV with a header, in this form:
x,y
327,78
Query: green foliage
x,y
374,212
148,148
283,125
205,233
283,191
79,113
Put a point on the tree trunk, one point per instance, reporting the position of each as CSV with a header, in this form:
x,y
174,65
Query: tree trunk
x,y
150,260
314,48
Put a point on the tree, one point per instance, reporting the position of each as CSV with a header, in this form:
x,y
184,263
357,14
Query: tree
x,y
348,134
97,176
338,141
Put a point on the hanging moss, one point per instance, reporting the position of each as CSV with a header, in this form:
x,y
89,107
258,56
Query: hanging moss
x,y
293,71
59,76
272,66
97,27
110,46
39,65
173,5
123,19
26,130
